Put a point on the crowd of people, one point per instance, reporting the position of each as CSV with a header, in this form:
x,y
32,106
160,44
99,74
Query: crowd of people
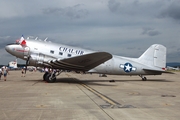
x,y
4,72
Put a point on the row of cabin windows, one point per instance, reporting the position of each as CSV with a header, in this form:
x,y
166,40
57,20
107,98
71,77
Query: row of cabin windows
x,y
60,53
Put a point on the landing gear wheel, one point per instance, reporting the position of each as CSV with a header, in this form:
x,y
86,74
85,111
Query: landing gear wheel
x,y
44,76
144,78
50,79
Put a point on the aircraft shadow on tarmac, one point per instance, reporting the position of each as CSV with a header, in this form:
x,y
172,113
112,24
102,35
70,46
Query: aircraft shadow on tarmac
x,y
150,80
99,82
89,82
75,80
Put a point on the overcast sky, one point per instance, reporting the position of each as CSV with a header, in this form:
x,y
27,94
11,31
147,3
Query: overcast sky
x,y
121,27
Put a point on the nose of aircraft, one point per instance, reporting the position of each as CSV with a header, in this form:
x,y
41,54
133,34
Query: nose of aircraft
x,y
8,48
15,50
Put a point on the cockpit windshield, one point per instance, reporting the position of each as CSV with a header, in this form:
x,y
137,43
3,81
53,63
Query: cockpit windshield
x,y
21,41
16,43
13,44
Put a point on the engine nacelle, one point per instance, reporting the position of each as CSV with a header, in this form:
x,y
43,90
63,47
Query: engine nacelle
x,y
37,59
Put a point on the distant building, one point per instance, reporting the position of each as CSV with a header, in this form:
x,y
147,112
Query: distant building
x,y
13,65
172,68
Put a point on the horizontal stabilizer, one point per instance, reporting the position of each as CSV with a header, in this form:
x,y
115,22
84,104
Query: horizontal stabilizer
x,y
157,71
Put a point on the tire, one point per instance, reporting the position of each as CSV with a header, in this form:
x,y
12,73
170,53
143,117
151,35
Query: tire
x,y
49,80
144,79
44,76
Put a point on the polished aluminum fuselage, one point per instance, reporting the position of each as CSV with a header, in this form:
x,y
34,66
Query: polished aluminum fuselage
x,y
41,52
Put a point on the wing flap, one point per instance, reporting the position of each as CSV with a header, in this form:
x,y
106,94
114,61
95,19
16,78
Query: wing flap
x,y
83,62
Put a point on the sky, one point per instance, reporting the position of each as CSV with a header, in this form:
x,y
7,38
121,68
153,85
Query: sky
x,y
120,27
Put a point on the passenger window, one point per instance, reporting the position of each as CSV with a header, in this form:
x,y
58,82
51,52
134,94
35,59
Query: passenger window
x,y
69,55
60,53
52,51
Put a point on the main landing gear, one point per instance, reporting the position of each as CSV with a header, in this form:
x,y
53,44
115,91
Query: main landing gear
x,y
143,78
50,77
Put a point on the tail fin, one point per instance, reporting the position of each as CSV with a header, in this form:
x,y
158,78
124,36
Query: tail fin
x,y
155,55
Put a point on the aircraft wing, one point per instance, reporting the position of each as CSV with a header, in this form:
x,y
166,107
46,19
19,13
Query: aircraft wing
x,y
82,63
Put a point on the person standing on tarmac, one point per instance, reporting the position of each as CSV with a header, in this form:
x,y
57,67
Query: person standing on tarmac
x,y
5,72
22,71
0,73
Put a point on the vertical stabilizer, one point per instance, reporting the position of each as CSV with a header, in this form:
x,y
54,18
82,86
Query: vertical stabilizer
x,y
155,56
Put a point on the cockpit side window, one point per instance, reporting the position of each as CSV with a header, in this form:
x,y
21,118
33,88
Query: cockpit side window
x,y
60,53
69,55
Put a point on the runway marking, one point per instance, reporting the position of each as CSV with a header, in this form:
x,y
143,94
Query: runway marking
x,y
134,93
5,115
103,97
42,106
112,103
40,115
96,93
68,75
35,83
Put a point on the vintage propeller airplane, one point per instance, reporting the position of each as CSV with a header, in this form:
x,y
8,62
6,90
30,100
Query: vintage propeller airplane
x,y
62,57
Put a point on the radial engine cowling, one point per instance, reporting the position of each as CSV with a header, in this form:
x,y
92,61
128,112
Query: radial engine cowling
x,y
38,59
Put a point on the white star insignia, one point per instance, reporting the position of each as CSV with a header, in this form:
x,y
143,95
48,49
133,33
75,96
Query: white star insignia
x,y
128,67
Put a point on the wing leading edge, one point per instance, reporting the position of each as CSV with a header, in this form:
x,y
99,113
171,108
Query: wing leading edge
x,y
82,63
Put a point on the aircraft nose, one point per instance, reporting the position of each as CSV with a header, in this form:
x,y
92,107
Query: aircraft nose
x,y
15,50
8,48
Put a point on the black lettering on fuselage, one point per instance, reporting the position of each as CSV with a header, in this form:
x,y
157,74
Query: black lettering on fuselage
x,y
71,50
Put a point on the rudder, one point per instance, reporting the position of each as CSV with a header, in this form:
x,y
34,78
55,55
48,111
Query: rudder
x,y
155,55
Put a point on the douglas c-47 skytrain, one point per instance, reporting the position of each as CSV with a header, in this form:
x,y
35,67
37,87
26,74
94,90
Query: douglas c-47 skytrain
x,y
62,57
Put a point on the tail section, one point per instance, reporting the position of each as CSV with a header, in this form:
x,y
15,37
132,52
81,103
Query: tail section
x,y
155,56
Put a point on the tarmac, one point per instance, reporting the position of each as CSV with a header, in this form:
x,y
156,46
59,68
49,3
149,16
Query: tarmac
x,y
89,97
